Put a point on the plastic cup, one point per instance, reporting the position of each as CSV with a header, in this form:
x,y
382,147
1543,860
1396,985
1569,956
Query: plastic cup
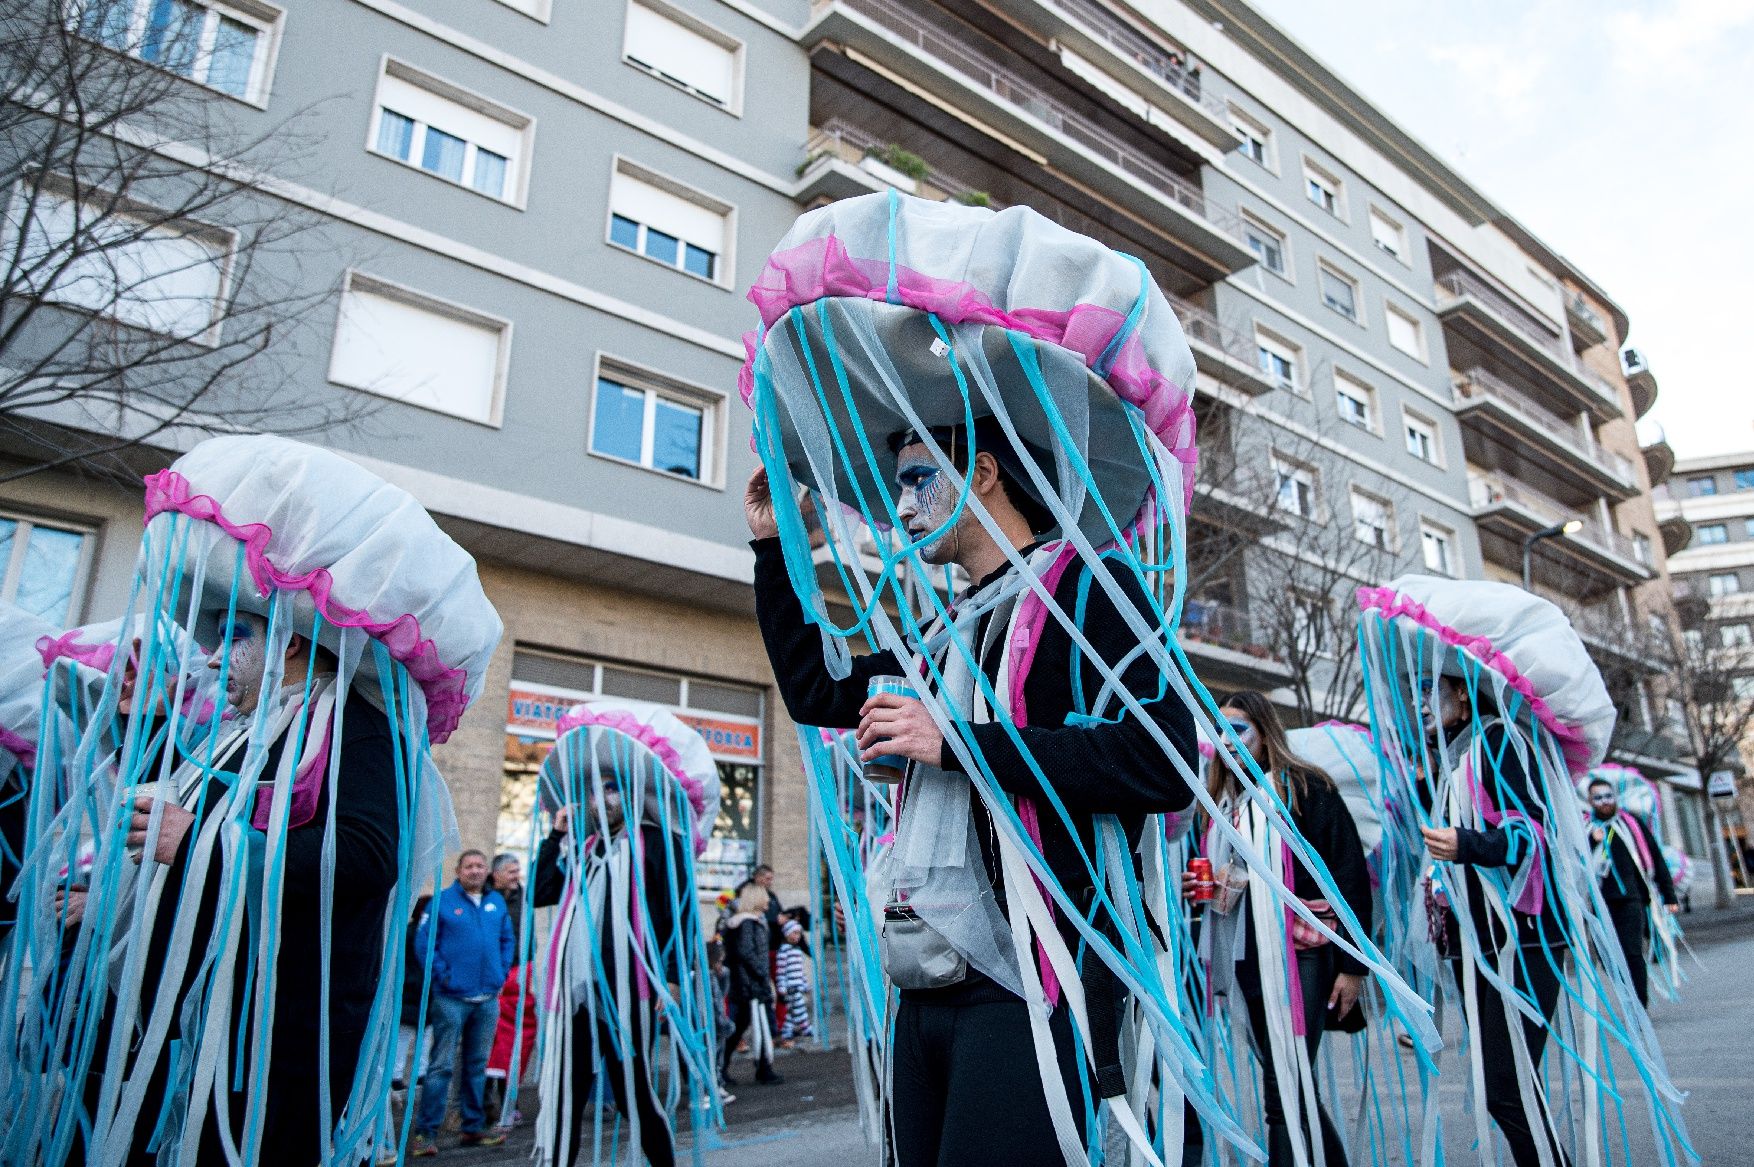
x,y
163,791
888,768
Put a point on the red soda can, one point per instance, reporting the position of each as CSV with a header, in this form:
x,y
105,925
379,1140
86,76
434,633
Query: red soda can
x,y
1201,869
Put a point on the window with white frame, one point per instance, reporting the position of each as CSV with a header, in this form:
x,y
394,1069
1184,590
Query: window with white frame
x,y
1267,244
1280,360
1735,635
1712,533
1701,487
1438,545
124,261
1323,189
1356,402
1743,480
1388,234
1295,487
1257,139
664,221
43,567
676,47
1421,434
228,47
399,343
1743,688
1373,520
1339,290
1405,332
1723,583
451,133
653,422
1748,528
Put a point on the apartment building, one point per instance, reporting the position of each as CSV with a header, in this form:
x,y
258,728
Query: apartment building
x,y
547,214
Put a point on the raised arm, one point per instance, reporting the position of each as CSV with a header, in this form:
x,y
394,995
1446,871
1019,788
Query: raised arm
x,y
794,648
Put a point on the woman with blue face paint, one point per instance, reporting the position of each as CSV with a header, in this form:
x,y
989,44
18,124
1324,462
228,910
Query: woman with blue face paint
x,y
1292,982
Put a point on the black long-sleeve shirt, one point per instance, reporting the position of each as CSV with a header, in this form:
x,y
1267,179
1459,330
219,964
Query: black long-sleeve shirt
x,y
1625,878
660,856
1321,817
1113,767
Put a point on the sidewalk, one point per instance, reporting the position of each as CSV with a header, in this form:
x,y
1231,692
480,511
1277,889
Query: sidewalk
x,y
1708,924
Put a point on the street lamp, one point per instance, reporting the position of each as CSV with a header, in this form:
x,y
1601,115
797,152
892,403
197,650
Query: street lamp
x,y
1553,532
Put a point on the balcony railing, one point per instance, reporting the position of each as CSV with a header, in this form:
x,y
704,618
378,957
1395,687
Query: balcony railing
x,y
1201,325
1485,491
1465,283
1001,82
1578,306
1168,66
851,144
1477,383
1210,622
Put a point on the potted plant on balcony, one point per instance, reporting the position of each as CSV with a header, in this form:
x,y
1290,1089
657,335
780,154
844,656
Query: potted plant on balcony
x,y
899,168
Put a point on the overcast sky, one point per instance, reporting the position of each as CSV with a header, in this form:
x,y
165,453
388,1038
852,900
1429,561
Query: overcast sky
x,y
1621,132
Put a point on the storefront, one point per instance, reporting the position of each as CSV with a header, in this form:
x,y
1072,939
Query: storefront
x,y
728,715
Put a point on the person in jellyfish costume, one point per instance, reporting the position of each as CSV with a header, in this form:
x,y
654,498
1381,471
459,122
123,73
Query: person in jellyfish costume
x,y
1639,889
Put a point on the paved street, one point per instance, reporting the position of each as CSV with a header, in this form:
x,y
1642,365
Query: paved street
x,y
809,1119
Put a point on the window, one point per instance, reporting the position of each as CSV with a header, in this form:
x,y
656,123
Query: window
x,y
1744,479
665,221
1700,487
1373,520
1267,244
1356,402
1438,547
1723,583
1295,487
1743,688
1748,528
228,48
1421,438
1388,235
1405,332
1735,635
448,132
415,348
128,263
1714,533
1279,361
1339,291
1257,140
44,567
688,53
1641,549
1323,189
653,422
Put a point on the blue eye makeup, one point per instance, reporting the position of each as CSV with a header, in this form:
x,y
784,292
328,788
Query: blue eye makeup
x,y
1241,728
239,630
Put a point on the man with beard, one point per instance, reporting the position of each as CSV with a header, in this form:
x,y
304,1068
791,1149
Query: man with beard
x,y
1631,867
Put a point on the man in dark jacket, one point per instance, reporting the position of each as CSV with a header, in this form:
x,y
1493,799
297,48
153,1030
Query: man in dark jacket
x,y
470,936
966,1085
1630,862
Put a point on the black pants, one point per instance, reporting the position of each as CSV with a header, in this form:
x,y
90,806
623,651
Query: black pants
x,y
1315,970
578,1067
1631,927
966,1088
742,1017
1537,979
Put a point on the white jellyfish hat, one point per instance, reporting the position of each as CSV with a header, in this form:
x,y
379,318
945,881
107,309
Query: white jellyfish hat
x,y
1632,790
21,682
1525,644
636,738
78,661
863,301
341,543
1346,753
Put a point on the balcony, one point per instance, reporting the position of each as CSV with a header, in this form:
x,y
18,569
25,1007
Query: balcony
x,y
1511,511
1508,418
1160,81
1489,320
844,161
1216,637
893,41
1640,381
1222,353
1676,531
1588,328
1659,456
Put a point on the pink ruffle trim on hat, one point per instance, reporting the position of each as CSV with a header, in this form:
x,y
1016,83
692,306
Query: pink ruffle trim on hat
x,y
18,747
1391,604
68,646
445,687
621,721
822,268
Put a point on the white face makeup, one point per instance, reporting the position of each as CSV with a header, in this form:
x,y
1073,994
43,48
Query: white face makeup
x,y
1442,704
928,499
1243,726
248,638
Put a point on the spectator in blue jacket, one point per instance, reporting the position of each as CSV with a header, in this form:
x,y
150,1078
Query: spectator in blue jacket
x,y
470,934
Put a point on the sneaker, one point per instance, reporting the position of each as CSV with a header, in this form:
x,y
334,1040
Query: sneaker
x,y
481,1138
726,1097
768,1079
421,1147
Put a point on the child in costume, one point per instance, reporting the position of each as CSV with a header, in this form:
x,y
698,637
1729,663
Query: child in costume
x,y
1484,704
234,988
632,794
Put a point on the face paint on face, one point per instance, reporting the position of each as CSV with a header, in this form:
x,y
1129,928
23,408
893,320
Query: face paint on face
x,y
612,811
1442,704
1603,803
928,499
1246,733
247,639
